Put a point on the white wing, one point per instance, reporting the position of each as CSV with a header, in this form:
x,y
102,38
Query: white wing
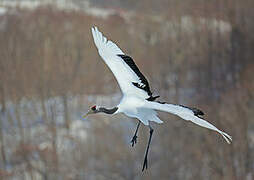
x,y
121,66
187,114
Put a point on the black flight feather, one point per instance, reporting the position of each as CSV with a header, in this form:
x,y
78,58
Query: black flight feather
x,y
197,112
144,83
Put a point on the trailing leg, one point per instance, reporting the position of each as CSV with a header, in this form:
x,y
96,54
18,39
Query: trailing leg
x,y
134,139
147,148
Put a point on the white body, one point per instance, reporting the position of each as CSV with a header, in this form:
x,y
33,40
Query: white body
x,y
134,102
133,106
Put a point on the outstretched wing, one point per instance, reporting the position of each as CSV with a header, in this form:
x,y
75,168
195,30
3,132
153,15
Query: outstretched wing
x,y
126,72
189,114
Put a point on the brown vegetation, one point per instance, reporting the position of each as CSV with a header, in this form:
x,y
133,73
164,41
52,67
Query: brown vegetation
x,y
49,67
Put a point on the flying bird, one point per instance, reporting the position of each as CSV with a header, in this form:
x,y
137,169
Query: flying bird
x,y
138,100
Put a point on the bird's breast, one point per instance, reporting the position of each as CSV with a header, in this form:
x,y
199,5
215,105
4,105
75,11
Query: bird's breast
x,y
130,105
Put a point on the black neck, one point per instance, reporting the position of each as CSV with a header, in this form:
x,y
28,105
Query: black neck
x,y
108,111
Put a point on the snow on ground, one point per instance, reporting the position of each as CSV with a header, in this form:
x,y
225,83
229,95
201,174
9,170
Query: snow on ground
x,y
37,130
2,10
31,114
32,4
61,4
187,23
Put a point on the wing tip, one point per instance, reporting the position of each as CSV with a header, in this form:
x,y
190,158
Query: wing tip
x,y
227,137
97,36
102,43
93,28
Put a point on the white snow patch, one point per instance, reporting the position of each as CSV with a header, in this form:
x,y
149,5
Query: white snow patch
x,y
78,130
66,5
2,10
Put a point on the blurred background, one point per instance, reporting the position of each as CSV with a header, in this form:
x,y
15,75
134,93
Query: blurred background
x,y
195,52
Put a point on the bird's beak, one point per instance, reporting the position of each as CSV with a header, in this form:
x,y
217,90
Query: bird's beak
x,y
89,112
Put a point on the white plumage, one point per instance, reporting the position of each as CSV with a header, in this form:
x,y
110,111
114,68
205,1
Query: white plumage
x,y
137,101
134,103
122,72
188,115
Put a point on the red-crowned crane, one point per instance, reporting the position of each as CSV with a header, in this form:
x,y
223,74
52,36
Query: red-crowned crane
x,y
138,100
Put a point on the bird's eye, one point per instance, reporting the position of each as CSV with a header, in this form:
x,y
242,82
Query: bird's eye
x,y
93,108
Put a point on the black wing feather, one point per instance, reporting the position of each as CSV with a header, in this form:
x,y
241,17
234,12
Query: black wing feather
x,y
196,111
144,85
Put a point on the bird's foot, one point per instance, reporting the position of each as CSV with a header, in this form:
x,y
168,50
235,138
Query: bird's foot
x,y
144,164
134,140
